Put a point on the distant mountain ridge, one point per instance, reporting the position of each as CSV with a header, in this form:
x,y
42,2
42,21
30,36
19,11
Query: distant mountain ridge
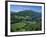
x,y
26,11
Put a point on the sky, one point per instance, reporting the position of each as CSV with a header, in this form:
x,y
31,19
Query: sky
x,y
17,8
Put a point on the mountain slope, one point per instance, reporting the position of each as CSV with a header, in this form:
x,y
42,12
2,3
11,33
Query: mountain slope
x,y
26,20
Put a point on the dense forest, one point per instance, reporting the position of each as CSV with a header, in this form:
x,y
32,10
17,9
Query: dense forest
x,y
26,20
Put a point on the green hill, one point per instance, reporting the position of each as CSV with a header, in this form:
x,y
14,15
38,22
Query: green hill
x,y
26,20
